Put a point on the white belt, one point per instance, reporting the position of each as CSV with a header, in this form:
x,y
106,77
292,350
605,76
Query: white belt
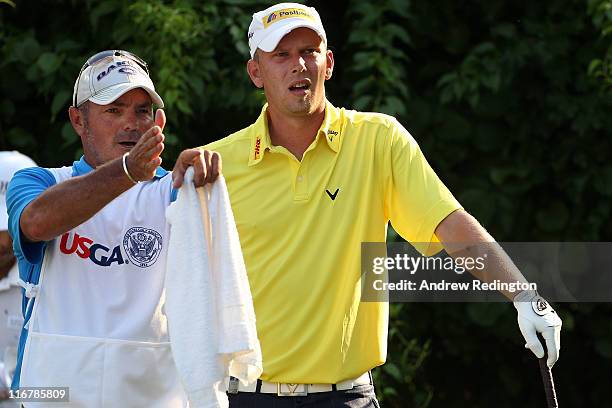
x,y
234,386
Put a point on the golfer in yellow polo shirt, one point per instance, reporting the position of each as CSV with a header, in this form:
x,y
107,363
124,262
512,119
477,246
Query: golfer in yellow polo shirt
x,y
308,183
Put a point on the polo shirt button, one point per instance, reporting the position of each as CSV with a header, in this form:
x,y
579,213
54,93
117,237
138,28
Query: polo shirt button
x,y
300,178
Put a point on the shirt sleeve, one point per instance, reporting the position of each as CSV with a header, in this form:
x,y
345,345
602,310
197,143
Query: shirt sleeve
x,y
416,199
23,188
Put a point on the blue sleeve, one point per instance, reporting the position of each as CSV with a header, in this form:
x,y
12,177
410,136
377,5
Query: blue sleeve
x,y
173,194
24,187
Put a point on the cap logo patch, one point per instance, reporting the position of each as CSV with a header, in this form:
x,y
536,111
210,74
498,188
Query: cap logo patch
x,y
271,18
122,66
286,13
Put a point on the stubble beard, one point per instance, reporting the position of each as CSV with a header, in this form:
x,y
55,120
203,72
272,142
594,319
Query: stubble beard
x,y
300,107
90,149
307,105
92,152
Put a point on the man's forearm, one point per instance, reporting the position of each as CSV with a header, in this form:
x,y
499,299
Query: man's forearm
x,y
462,235
499,267
72,202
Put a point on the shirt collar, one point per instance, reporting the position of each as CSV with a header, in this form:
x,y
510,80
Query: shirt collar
x,y
330,130
81,167
260,142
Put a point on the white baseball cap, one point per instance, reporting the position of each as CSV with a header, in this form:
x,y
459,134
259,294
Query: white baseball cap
x,y
109,74
269,26
10,162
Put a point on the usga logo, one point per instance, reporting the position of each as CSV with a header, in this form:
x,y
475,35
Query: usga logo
x,y
85,248
142,246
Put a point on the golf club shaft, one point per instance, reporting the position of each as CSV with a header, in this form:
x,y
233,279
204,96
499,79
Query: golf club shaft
x,y
547,378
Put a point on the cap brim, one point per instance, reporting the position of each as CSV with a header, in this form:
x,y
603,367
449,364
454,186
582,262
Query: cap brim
x,y
112,93
270,42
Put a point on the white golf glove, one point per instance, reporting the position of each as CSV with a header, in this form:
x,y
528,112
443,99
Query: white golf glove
x,y
535,315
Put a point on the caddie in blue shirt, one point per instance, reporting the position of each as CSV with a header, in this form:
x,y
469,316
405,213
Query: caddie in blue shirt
x,y
91,242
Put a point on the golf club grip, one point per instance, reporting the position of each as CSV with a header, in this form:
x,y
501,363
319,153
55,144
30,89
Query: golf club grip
x,y
547,378
549,385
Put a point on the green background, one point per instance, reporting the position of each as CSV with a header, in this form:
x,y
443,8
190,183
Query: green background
x,y
510,101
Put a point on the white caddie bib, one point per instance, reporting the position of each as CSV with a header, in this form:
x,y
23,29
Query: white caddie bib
x,y
98,324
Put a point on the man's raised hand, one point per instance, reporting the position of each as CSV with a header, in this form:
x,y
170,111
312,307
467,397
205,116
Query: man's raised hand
x,y
144,158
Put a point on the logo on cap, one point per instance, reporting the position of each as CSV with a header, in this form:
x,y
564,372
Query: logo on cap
x,y
271,18
286,13
122,66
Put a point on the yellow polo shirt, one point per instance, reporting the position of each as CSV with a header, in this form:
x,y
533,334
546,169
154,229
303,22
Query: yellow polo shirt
x,y
301,225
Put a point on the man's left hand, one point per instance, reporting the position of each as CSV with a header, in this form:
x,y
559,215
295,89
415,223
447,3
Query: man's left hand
x,y
206,167
535,316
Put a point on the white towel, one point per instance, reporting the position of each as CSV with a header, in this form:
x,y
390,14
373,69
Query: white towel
x,y
210,312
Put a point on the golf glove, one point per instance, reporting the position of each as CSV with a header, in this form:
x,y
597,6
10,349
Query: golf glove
x,y
535,315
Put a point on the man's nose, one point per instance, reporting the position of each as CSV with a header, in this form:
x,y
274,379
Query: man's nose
x,y
130,121
300,65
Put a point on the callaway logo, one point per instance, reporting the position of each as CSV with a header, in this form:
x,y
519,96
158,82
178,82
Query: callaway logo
x,y
332,196
123,67
540,306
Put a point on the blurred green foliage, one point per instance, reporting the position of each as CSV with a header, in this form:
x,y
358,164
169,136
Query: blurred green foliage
x,y
510,101
601,68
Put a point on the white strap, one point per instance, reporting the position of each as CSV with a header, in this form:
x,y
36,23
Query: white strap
x,y
31,289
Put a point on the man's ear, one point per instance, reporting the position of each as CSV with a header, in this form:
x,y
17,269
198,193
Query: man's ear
x,y
77,119
254,72
329,55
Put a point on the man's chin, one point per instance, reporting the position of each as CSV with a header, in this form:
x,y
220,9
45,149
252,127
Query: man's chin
x,y
303,108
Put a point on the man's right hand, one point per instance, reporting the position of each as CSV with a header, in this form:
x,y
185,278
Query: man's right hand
x,y
206,165
144,158
535,316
